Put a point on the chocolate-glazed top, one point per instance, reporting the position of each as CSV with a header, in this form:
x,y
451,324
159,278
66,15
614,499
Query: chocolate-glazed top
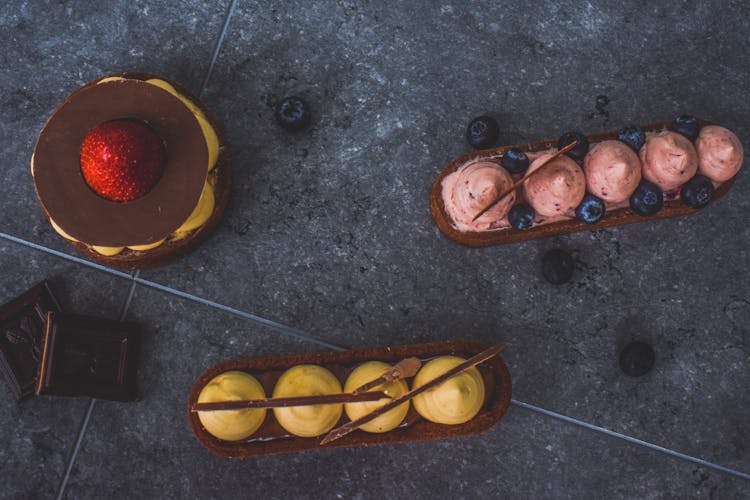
x,y
83,214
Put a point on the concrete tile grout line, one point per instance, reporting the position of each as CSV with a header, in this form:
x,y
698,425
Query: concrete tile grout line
x,y
219,43
631,439
63,255
301,335
90,409
279,327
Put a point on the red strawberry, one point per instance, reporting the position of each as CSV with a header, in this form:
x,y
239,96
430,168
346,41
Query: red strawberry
x,y
121,160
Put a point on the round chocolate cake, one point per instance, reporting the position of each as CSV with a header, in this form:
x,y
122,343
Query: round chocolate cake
x,y
132,170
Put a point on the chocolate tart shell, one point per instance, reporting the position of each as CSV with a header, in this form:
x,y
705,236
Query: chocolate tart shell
x,y
272,439
171,251
617,217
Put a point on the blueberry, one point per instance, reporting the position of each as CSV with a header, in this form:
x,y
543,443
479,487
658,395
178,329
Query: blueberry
x,y
293,113
580,149
557,266
521,216
591,210
633,136
647,199
637,358
687,125
482,132
697,192
515,161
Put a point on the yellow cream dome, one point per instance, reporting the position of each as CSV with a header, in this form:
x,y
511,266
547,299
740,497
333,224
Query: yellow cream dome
x,y
311,420
455,401
232,425
367,372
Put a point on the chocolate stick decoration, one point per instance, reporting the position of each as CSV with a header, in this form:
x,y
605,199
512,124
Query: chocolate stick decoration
x,y
403,369
523,179
324,399
355,424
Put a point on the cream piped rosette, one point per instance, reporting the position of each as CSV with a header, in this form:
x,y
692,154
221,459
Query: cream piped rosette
x,y
232,425
367,372
455,401
311,420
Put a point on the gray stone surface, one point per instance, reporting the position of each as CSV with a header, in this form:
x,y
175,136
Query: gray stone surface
x,y
340,212
329,231
36,436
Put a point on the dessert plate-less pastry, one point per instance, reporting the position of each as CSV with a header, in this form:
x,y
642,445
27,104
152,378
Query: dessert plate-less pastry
x,y
132,170
608,179
353,369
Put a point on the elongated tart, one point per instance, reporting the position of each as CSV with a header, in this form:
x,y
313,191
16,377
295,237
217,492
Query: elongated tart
x,y
273,438
608,177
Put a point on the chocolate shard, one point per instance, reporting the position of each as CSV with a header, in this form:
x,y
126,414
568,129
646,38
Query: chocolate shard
x,y
89,356
22,325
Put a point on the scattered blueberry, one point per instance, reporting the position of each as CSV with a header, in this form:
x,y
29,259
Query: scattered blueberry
x,y
637,358
687,125
521,216
591,210
580,149
482,132
697,192
557,266
647,199
633,136
515,161
293,113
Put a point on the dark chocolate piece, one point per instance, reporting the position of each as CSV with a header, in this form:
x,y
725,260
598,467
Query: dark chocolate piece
x,y
286,402
84,215
88,356
22,325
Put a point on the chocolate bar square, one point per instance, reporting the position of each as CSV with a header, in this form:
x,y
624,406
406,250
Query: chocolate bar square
x,y
22,325
88,356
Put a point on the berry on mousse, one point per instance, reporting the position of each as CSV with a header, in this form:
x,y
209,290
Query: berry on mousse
x,y
633,136
580,150
647,199
121,160
688,126
482,132
697,192
515,161
591,210
521,216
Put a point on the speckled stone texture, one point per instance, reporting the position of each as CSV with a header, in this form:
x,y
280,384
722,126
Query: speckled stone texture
x,y
146,449
340,213
328,231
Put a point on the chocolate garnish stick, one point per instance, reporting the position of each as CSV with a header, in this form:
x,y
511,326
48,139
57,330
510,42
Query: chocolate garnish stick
x,y
355,424
403,369
523,179
324,399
